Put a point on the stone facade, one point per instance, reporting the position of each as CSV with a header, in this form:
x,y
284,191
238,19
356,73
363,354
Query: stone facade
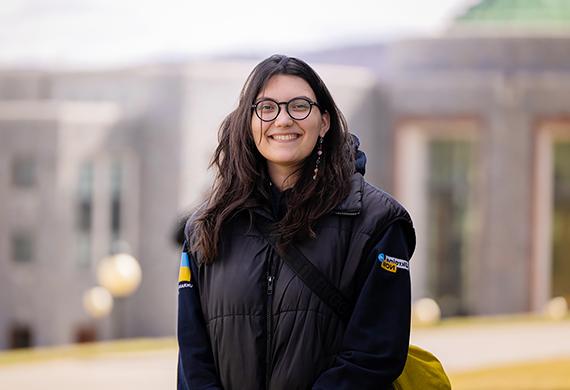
x,y
508,89
159,125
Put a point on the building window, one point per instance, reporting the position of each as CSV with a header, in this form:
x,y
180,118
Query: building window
x,y
22,246
561,221
116,190
21,336
85,333
84,213
449,207
23,172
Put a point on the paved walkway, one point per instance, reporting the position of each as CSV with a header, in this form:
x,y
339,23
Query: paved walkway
x,y
459,348
467,347
140,371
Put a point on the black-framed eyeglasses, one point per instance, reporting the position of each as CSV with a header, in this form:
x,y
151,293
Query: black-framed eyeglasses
x,y
298,108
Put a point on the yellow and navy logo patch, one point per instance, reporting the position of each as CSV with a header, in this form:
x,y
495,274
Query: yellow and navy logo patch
x,y
391,264
184,275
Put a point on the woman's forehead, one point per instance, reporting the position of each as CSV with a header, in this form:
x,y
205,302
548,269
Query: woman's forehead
x,y
284,87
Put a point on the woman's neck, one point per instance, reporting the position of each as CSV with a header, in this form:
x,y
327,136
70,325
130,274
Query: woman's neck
x,y
282,177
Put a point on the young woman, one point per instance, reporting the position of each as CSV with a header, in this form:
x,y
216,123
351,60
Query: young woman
x,y
288,169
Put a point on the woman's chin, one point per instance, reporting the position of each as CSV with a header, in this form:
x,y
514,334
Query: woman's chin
x,y
284,160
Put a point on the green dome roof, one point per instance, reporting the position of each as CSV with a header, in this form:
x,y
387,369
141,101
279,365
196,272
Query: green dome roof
x,y
531,13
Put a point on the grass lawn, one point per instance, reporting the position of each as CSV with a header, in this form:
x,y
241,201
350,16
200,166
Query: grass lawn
x,y
543,375
85,351
508,319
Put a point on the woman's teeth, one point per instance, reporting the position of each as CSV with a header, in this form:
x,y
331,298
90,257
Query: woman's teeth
x,y
285,137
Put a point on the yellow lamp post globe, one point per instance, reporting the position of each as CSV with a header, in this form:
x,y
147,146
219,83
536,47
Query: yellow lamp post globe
x,y
426,311
98,302
120,274
556,308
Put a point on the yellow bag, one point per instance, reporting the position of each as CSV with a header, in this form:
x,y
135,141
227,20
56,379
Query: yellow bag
x,y
422,372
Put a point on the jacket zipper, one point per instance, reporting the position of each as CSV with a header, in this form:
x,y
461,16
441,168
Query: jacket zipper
x,y
347,213
270,281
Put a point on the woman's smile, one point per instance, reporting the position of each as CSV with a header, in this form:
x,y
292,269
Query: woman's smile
x,y
285,138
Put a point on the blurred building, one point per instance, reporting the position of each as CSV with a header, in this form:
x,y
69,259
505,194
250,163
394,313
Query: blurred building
x,y
481,134
89,158
481,130
470,130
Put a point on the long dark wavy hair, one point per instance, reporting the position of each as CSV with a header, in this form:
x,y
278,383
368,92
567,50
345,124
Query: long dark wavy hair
x,y
242,180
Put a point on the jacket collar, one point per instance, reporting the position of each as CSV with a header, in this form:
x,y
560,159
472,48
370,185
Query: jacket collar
x,y
352,204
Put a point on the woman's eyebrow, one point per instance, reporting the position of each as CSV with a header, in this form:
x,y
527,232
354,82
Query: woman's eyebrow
x,y
260,98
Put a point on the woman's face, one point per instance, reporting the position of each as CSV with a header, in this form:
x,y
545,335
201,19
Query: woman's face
x,y
285,142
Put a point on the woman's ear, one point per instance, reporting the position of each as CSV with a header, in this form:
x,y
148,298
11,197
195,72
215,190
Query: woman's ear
x,y
325,123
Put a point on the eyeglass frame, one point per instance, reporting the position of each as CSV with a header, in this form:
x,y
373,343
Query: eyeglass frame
x,y
311,104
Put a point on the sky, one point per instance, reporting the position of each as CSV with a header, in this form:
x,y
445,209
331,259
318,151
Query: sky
x,y
111,32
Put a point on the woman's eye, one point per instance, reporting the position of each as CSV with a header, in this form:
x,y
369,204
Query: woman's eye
x,y
302,106
266,107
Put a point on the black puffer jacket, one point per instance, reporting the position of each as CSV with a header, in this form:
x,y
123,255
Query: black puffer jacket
x,y
248,322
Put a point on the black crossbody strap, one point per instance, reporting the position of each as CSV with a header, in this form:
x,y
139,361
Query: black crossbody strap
x,y
314,279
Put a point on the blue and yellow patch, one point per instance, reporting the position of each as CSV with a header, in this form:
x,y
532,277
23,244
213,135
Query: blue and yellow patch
x,y
184,275
391,264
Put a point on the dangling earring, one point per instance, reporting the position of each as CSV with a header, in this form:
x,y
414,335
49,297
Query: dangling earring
x,y
319,154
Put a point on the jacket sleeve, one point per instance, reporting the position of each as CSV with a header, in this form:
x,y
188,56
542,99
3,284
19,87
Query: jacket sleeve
x,y
375,343
196,368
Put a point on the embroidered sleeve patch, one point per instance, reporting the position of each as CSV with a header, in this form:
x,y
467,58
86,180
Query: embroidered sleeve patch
x,y
391,264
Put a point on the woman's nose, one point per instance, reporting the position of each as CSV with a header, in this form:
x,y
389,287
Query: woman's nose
x,y
283,119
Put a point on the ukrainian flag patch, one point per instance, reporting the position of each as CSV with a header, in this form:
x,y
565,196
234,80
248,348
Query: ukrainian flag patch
x,y
184,274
